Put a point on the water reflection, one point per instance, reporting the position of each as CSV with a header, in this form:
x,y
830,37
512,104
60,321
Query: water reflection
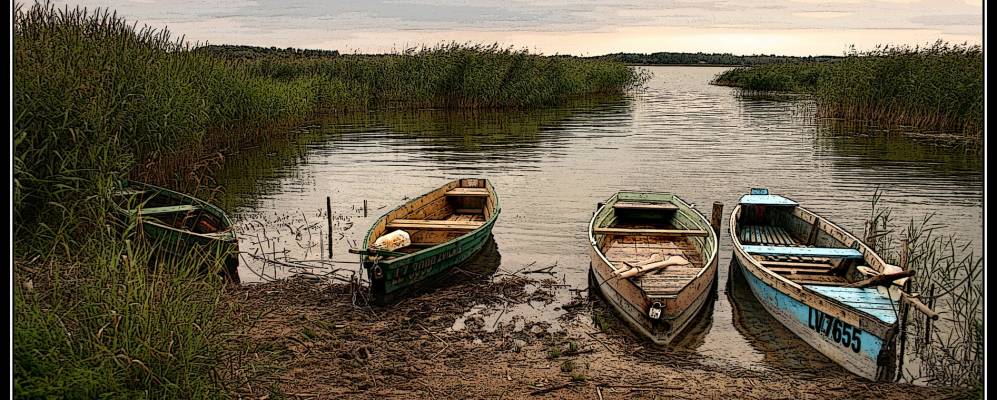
x,y
778,345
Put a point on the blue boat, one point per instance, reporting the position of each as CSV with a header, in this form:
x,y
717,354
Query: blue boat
x,y
808,273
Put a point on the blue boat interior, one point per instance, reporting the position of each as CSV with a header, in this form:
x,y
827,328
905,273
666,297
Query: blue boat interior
x,y
792,247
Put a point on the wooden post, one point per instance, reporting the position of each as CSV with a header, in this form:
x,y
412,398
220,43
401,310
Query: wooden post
x,y
904,306
718,214
927,319
365,208
868,235
328,218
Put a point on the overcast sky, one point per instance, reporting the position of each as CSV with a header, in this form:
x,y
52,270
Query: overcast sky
x,y
794,27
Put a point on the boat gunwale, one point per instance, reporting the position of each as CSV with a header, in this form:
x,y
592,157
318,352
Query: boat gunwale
x,y
706,264
227,235
487,224
868,252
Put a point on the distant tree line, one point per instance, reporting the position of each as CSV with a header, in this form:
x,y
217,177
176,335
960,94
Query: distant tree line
x,y
253,52
669,58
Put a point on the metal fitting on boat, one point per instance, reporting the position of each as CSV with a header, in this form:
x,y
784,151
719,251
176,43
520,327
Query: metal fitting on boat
x,y
655,311
378,274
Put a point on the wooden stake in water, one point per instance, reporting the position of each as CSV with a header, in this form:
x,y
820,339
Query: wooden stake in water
x,y
904,311
718,212
365,208
328,218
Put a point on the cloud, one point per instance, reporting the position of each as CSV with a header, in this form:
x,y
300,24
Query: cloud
x,y
379,25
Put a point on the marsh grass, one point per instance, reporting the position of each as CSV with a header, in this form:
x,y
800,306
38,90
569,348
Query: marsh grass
x,y
948,279
112,326
938,87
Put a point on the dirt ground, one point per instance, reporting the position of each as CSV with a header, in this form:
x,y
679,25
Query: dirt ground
x,y
317,339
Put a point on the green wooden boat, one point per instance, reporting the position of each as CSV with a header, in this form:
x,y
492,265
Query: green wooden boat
x,y
177,224
446,226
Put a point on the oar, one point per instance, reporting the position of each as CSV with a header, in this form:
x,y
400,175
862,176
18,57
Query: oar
x,y
881,279
904,296
919,305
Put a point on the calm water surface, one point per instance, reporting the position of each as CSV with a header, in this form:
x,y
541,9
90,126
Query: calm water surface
x,y
550,168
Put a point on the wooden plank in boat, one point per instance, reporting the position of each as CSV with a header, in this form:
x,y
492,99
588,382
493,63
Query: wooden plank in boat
x,y
868,300
831,252
469,211
431,224
767,200
650,232
623,205
468,192
797,265
797,271
167,209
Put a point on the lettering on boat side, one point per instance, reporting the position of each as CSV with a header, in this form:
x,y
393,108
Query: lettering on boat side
x,y
421,269
833,328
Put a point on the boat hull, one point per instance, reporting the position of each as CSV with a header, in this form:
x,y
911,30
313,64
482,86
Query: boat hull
x,y
632,303
174,242
631,306
827,326
393,280
395,276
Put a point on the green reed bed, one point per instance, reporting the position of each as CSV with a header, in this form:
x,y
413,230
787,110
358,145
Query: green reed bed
x,y
937,87
95,96
97,99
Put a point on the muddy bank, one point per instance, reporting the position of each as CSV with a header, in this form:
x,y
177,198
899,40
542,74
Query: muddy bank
x,y
317,339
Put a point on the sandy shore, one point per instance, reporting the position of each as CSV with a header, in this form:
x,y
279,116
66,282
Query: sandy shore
x,y
317,339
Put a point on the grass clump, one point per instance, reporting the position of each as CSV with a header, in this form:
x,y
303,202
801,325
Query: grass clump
x,y
937,87
113,327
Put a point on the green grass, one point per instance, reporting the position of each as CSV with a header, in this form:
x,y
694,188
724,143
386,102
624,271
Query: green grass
x,y
937,87
114,327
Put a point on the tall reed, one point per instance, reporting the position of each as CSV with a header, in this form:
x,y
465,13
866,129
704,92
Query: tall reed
x,y
96,96
935,87
948,278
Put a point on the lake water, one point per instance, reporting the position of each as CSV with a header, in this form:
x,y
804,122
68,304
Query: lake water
x,y
550,168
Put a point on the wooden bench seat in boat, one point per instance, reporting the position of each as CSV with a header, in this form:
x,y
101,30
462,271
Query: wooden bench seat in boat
x,y
468,192
434,225
649,232
829,252
797,265
868,300
167,210
620,205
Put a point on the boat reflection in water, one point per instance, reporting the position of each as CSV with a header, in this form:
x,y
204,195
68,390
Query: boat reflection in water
x,y
781,348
